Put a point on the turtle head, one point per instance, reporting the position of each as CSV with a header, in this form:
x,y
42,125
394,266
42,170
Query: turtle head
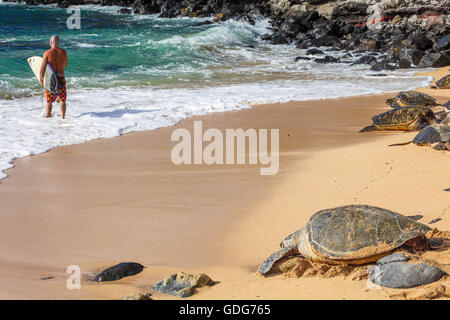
x,y
389,102
291,240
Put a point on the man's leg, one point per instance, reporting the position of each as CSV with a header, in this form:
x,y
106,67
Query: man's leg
x,y
49,109
62,106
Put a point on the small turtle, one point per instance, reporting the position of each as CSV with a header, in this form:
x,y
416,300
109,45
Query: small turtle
x,y
444,83
411,98
351,235
405,119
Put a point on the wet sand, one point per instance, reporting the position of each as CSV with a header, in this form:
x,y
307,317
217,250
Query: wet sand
x,y
109,201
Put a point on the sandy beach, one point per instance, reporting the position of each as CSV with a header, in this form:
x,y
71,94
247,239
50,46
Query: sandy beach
x,y
122,199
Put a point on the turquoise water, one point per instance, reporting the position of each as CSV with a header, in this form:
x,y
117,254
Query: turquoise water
x,y
131,72
115,50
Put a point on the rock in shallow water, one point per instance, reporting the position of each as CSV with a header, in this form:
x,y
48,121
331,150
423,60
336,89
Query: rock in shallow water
x,y
182,284
119,271
404,275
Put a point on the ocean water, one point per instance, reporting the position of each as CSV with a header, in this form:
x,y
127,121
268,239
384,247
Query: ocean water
x,y
131,72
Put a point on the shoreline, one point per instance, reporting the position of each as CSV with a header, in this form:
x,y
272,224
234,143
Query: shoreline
x,y
129,202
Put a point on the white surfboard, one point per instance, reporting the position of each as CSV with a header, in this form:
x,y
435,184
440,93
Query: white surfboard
x,y
50,79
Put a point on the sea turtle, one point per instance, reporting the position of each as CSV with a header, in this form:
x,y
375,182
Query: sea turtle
x,y
350,235
436,136
406,119
411,98
444,83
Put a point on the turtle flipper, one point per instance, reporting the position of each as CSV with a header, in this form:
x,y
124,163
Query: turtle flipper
x,y
400,144
369,128
267,265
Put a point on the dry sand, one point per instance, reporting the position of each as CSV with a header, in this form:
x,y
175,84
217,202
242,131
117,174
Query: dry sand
x,y
122,199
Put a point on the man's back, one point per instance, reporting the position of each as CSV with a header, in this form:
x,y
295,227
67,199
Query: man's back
x,y
57,58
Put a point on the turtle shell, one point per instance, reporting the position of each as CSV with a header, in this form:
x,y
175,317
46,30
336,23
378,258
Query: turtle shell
x,y
402,118
432,134
407,98
444,83
357,232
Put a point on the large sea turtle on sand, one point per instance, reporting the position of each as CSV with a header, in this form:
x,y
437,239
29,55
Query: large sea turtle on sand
x,y
411,98
350,235
404,119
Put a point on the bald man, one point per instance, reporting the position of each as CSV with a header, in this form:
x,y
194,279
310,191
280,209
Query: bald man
x,y
57,58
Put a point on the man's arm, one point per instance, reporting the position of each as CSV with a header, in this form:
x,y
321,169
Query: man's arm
x,y
43,67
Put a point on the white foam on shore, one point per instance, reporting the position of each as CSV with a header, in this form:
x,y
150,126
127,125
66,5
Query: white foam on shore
x,y
96,113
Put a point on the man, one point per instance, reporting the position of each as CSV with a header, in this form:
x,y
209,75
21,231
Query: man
x,y
57,58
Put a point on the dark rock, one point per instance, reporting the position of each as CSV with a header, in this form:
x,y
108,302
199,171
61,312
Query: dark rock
x,y
434,60
327,41
324,27
395,257
296,24
404,275
327,59
146,7
383,65
278,38
412,55
420,41
444,43
404,64
367,59
266,37
347,29
349,10
302,58
182,284
119,271
124,11
314,51
291,26
447,190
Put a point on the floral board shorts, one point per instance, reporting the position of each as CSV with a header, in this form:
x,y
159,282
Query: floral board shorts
x,y
60,94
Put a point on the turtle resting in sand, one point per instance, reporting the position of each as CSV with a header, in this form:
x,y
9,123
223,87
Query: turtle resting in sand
x,y
404,119
444,83
411,98
350,235
437,136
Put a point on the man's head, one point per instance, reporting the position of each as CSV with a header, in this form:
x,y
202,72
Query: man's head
x,y
54,41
